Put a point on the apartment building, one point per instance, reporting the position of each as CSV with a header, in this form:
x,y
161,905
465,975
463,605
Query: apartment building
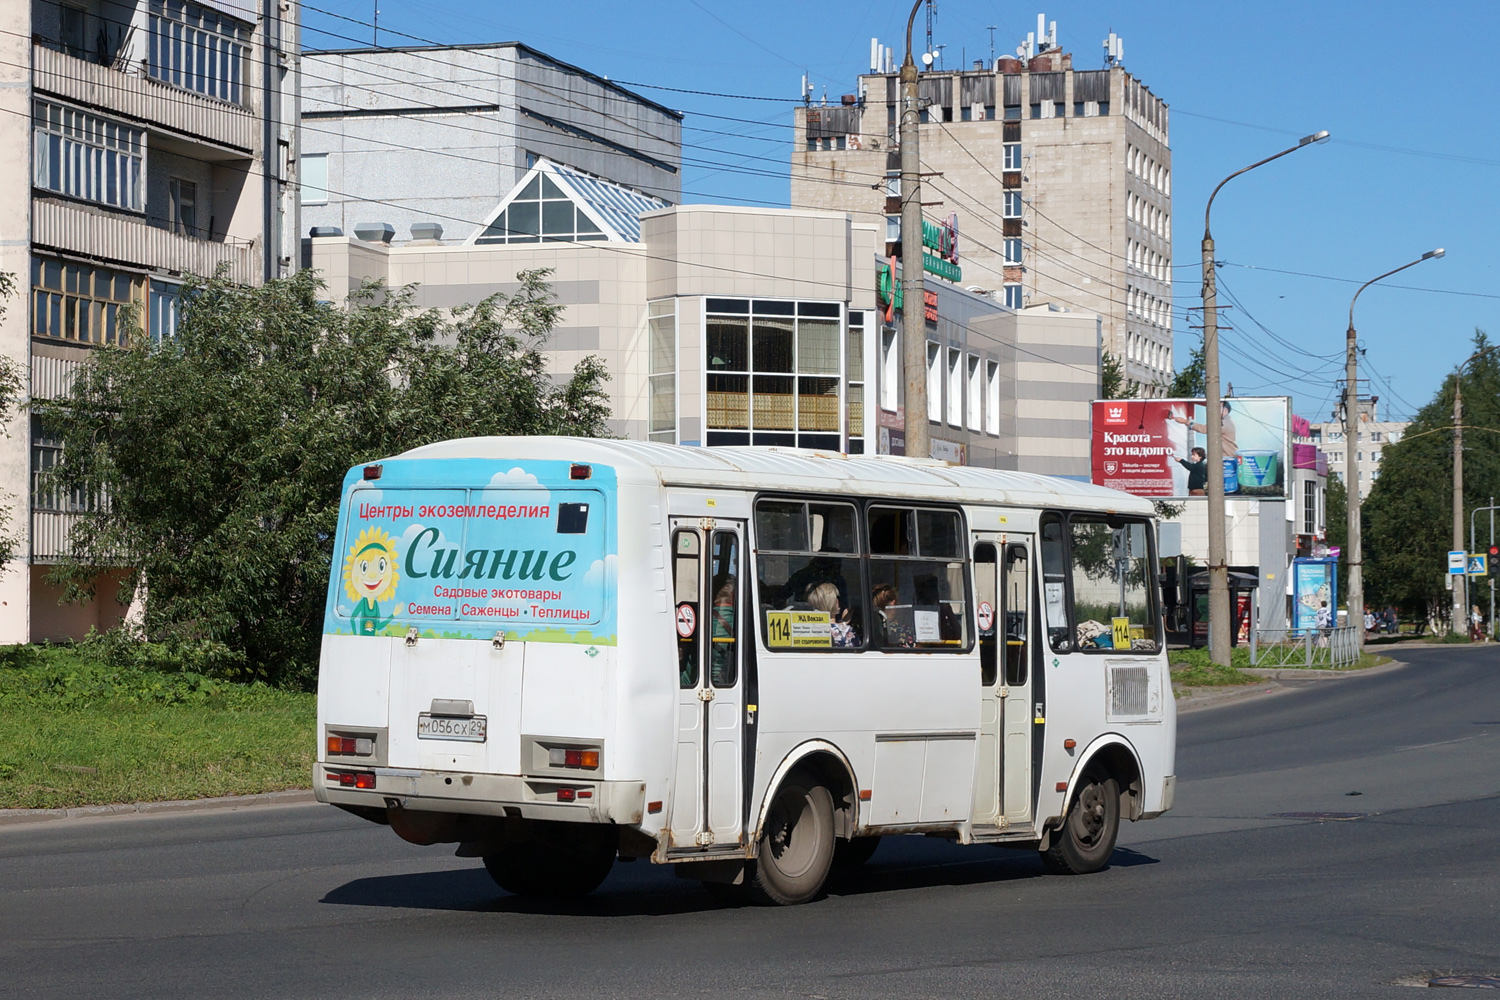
x,y
434,135
1371,437
142,141
1059,180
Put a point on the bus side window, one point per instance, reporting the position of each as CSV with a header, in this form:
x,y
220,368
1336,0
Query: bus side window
x,y
687,574
1112,593
985,595
1017,590
1055,584
918,579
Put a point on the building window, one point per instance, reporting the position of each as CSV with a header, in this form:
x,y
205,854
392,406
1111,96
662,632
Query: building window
x,y
1012,156
854,362
662,373
975,408
934,383
541,213
992,397
1013,296
82,155
1012,251
182,198
46,453
1012,205
314,174
162,311
774,373
955,387
197,49
890,370
893,229
81,303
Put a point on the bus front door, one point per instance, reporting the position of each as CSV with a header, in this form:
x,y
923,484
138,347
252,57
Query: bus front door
x,y
1002,774
708,795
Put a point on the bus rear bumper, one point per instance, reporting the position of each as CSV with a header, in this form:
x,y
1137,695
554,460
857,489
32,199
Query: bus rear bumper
x,y
582,801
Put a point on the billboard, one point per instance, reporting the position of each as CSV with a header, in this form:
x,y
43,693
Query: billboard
x,y
1314,585
1158,447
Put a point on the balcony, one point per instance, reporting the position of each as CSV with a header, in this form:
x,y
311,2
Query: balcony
x,y
88,232
137,96
49,535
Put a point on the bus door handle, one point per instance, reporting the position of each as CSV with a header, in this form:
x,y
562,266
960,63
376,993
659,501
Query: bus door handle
x,y
705,694
1002,691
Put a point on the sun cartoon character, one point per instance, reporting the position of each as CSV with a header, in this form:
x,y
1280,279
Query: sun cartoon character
x,y
370,577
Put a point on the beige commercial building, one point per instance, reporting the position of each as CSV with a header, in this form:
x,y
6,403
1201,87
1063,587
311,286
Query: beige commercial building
x,y
725,325
1059,178
142,141
1372,436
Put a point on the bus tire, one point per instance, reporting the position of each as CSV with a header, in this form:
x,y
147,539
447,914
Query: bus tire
x,y
796,846
567,862
850,854
1087,837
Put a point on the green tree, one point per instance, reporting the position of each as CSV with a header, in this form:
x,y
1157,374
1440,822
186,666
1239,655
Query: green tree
x,y
1336,518
1112,383
12,392
221,452
1189,382
1408,516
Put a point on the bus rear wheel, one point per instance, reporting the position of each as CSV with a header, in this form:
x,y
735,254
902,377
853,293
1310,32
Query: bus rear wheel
x,y
563,861
1087,837
796,846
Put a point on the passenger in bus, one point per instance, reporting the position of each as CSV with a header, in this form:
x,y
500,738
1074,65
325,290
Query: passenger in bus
x,y
825,597
818,569
892,632
721,626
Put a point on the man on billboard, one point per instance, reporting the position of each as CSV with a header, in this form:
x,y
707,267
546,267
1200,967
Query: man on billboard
x,y
1228,438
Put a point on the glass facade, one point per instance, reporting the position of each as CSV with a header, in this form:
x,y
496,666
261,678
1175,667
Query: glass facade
x,y
541,213
774,372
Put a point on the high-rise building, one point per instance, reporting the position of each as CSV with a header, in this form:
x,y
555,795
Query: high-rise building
x,y
1060,180
142,141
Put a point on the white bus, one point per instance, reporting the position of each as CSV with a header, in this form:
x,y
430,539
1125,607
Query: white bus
x,y
747,663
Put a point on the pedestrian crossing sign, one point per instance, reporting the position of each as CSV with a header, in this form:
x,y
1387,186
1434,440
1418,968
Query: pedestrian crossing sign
x,y
1479,564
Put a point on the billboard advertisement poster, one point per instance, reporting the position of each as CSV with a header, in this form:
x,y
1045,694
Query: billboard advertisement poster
x,y
1158,447
1314,581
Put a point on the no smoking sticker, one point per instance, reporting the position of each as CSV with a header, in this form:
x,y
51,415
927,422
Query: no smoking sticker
x,y
986,616
687,621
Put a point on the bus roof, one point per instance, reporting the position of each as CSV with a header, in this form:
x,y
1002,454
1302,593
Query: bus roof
x,y
762,468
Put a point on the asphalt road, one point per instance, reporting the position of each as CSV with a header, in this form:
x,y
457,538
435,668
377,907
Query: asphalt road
x,y
1220,898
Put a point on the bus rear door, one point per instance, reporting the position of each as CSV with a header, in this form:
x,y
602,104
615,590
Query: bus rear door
x,y
1003,771
709,591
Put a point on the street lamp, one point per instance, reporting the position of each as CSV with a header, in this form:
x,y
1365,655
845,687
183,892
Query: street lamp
x,y
1218,565
1351,464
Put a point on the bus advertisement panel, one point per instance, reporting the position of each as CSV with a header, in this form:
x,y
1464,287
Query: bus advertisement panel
x,y
469,553
1158,447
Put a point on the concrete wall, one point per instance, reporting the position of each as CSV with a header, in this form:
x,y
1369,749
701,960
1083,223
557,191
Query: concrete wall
x,y
441,134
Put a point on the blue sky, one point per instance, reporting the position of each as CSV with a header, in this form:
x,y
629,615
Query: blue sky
x,y
1408,92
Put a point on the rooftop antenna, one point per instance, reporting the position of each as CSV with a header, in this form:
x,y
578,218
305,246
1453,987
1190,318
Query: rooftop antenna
x,y
1041,32
931,13
938,51
376,43
991,29
875,54
807,90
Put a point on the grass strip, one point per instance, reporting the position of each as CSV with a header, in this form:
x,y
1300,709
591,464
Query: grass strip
x,y
76,730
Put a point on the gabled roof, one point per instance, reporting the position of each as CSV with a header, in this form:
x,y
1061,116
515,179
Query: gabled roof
x,y
606,211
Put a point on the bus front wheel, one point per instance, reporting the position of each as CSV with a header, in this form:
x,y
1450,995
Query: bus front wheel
x,y
1087,837
565,862
796,846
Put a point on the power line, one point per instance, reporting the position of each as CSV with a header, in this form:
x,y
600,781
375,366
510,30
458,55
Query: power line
x,y
1357,281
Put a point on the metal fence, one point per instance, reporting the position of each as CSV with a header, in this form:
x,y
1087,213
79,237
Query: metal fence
x,y
1328,648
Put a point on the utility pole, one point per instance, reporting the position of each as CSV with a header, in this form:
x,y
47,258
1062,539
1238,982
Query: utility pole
x,y
1461,581
913,308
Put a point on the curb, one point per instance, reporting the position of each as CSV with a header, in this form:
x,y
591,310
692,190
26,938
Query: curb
x,y
20,817
1203,698
1306,674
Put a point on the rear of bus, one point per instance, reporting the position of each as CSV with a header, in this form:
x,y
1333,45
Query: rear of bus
x,y
469,637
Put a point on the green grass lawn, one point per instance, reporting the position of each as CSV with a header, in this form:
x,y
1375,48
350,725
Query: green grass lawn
x,y
76,731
